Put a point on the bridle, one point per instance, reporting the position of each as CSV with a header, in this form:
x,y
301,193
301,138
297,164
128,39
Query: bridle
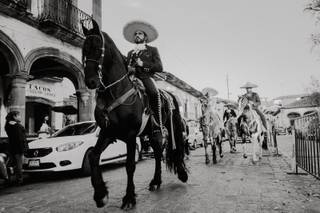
x,y
100,64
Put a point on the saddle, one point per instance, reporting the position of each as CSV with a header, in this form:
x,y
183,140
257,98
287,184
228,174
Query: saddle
x,y
166,104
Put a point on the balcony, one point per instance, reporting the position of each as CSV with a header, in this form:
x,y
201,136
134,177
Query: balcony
x,y
61,19
14,7
58,18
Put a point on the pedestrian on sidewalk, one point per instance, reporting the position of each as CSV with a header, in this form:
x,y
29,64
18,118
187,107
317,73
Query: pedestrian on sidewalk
x,y
17,141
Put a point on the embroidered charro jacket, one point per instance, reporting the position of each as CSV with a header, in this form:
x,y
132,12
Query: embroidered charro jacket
x,y
151,61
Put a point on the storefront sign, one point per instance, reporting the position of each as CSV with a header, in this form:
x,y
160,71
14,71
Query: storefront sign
x,y
41,89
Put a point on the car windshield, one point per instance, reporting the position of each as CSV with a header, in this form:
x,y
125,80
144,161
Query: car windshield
x,y
77,129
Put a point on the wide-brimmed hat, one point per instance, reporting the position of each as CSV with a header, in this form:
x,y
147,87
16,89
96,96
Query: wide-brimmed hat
x,y
249,85
210,92
230,105
133,26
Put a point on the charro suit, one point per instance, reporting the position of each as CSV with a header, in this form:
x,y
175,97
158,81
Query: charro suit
x,y
151,64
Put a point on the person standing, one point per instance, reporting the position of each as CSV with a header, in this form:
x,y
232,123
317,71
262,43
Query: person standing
x,y
144,60
45,130
17,141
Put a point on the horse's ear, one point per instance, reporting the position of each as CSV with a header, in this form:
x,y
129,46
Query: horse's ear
x,y
95,28
84,29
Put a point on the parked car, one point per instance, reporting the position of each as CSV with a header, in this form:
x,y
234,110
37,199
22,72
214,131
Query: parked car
x,y
195,137
68,149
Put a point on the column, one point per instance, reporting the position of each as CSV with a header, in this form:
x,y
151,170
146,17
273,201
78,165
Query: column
x,y
84,105
96,11
17,97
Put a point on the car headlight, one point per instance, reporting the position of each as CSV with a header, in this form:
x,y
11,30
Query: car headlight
x,y
69,146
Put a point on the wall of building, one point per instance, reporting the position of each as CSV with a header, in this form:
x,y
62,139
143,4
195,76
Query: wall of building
x,y
282,118
28,38
190,106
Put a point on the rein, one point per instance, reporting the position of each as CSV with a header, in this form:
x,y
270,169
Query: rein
x,y
100,65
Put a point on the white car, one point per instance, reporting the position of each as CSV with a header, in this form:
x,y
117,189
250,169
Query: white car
x,y
68,149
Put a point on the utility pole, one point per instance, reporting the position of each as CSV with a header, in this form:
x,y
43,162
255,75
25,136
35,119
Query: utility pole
x,y
228,86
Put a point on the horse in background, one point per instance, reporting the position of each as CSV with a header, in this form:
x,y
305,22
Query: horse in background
x,y
232,133
121,112
211,126
251,127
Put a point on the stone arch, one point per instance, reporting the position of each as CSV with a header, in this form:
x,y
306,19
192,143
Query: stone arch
x,y
12,53
74,66
293,115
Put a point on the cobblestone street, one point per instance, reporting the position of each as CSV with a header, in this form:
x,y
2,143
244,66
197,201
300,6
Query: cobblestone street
x,y
232,185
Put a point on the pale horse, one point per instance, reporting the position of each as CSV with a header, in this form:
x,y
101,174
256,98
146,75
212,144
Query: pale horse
x,y
211,125
251,126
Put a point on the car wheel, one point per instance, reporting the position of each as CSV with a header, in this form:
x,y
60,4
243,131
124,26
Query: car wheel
x,y
137,156
86,169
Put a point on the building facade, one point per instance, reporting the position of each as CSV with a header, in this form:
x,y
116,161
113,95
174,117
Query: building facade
x,y
188,97
42,39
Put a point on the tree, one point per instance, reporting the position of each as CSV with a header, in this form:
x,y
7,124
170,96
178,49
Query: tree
x,y
314,85
315,98
314,8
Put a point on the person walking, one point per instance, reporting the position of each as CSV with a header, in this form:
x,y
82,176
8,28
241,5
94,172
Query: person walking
x,y
17,141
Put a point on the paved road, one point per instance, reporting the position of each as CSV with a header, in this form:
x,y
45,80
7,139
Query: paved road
x,y
232,185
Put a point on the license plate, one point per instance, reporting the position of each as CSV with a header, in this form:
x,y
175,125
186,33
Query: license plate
x,y
34,163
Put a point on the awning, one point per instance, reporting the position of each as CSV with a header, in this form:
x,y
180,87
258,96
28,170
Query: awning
x,y
67,109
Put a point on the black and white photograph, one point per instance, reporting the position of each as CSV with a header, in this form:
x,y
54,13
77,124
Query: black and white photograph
x,y
172,106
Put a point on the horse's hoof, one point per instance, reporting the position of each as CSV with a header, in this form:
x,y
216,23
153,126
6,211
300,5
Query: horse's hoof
x,y
244,156
207,160
102,202
101,197
128,201
183,176
154,185
221,156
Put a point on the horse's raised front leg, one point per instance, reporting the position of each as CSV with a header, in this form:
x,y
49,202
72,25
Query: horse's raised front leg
x,y
129,200
100,190
157,150
255,145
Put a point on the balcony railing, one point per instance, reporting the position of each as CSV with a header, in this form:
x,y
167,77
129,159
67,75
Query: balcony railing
x,y
14,6
62,13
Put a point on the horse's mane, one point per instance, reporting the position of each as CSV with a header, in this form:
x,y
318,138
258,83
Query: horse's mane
x,y
111,43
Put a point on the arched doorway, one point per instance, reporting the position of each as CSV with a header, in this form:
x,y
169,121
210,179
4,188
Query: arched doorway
x,y
11,62
292,116
57,81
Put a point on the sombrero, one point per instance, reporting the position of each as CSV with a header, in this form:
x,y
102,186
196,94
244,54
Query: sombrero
x,y
249,85
210,92
230,105
132,27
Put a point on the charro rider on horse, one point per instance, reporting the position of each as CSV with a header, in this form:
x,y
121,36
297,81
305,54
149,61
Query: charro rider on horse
x,y
255,99
144,60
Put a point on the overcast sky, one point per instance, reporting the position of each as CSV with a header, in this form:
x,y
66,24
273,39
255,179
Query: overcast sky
x,y
265,42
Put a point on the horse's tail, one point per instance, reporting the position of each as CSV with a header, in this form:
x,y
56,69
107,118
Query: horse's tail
x,y
175,149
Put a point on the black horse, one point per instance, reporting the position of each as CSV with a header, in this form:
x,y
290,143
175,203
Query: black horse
x,y
119,113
